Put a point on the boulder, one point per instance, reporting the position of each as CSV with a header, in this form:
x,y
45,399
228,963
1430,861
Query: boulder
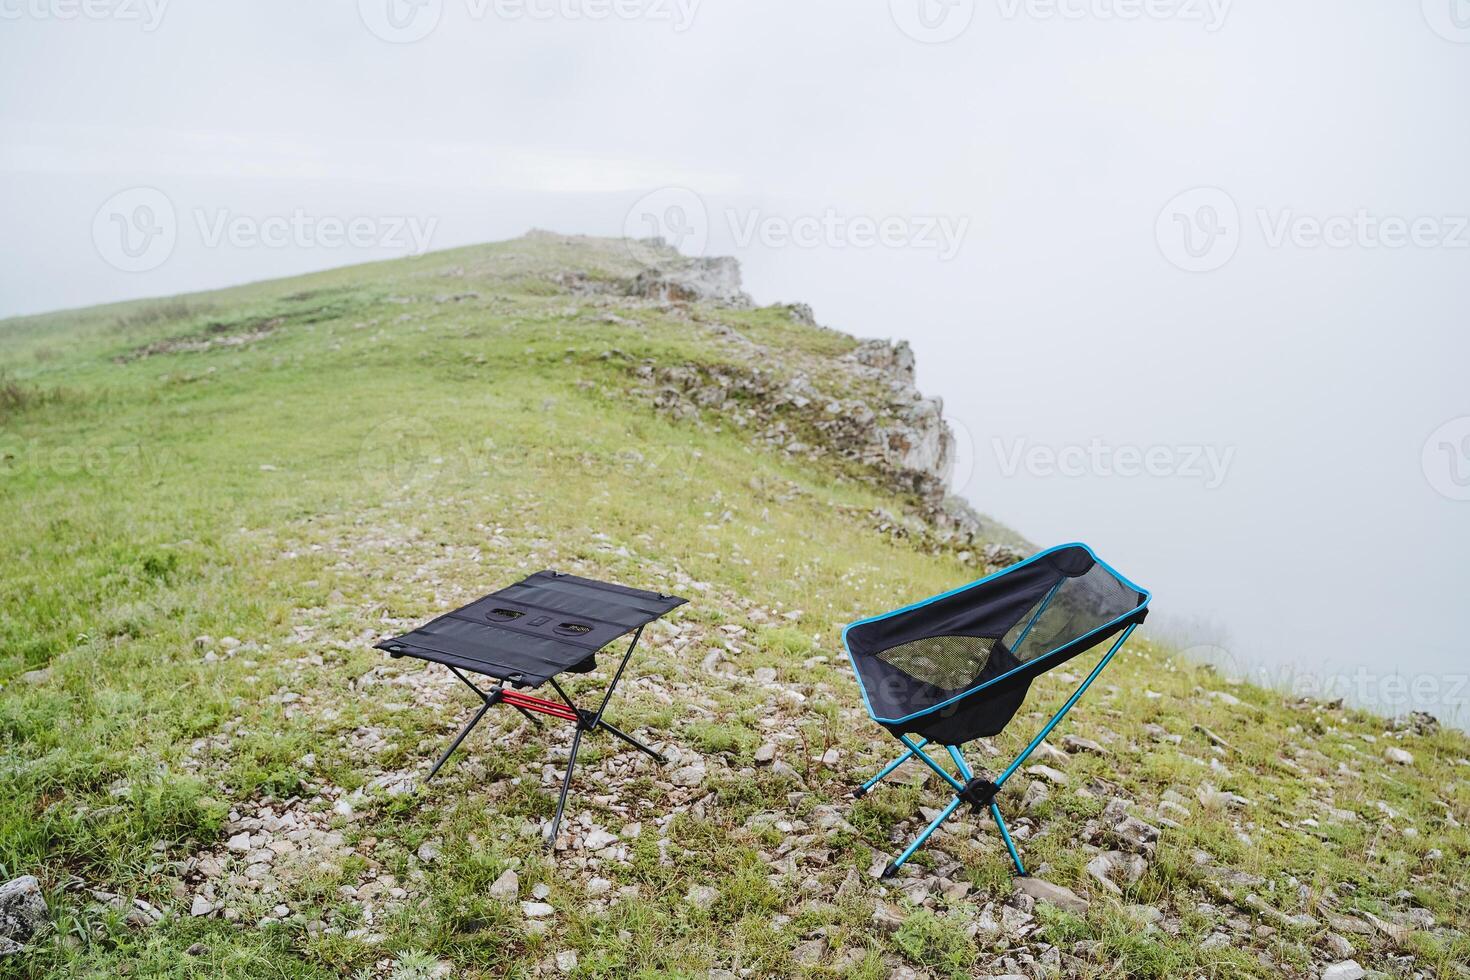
x,y
22,908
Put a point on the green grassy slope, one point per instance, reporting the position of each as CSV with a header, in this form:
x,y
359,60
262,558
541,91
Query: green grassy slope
x,y
214,505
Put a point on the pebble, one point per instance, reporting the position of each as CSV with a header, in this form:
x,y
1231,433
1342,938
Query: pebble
x,y
1346,970
506,887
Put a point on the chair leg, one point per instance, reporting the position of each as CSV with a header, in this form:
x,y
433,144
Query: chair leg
x,y
944,815
459,738
566,784
886,770
631,741
1006,836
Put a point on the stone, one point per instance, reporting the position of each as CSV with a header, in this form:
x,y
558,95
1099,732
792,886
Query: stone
x,y
240,844
1049,774
1058,895
1075,743
702,896
809,952
713,279
507,886
765,755
887,917
1399,757
9,947
1035,795
1337,945
689,776
200,906
22,908
597,839
566,960
1346,970
598,886
429,852
1111,867
536,910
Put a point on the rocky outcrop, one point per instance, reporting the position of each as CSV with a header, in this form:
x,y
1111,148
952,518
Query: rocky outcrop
x,y
685,280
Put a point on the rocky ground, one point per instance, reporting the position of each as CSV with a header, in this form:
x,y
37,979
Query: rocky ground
x,y
241,792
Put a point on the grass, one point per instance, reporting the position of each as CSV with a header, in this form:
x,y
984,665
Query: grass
x,y
382,453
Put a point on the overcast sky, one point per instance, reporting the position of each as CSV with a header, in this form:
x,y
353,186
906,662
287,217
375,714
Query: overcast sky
x,y
1191,275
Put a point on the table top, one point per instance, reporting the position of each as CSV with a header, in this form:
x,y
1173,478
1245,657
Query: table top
x,y
531,631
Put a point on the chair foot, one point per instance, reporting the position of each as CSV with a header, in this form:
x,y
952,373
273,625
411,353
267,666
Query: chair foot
x,y
860,792
889,871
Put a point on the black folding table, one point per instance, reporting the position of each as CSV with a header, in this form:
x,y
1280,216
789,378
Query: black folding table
x,y
525,635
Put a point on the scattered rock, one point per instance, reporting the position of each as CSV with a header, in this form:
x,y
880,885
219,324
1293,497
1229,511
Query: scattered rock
x,y
765,755
1346,970
690,776
507,887
702,896
1046,891
200,906
887,918
1075,743
809,952
22,908
536,910
566,960
1112,867
1049,774
1400,757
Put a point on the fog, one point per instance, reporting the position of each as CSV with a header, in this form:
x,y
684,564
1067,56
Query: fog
x,y
1190,275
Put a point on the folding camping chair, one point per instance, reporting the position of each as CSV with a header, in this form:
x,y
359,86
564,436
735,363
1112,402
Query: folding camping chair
x,y
957,666
526,634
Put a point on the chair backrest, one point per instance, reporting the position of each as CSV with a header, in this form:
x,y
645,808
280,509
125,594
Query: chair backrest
x,y
993,635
